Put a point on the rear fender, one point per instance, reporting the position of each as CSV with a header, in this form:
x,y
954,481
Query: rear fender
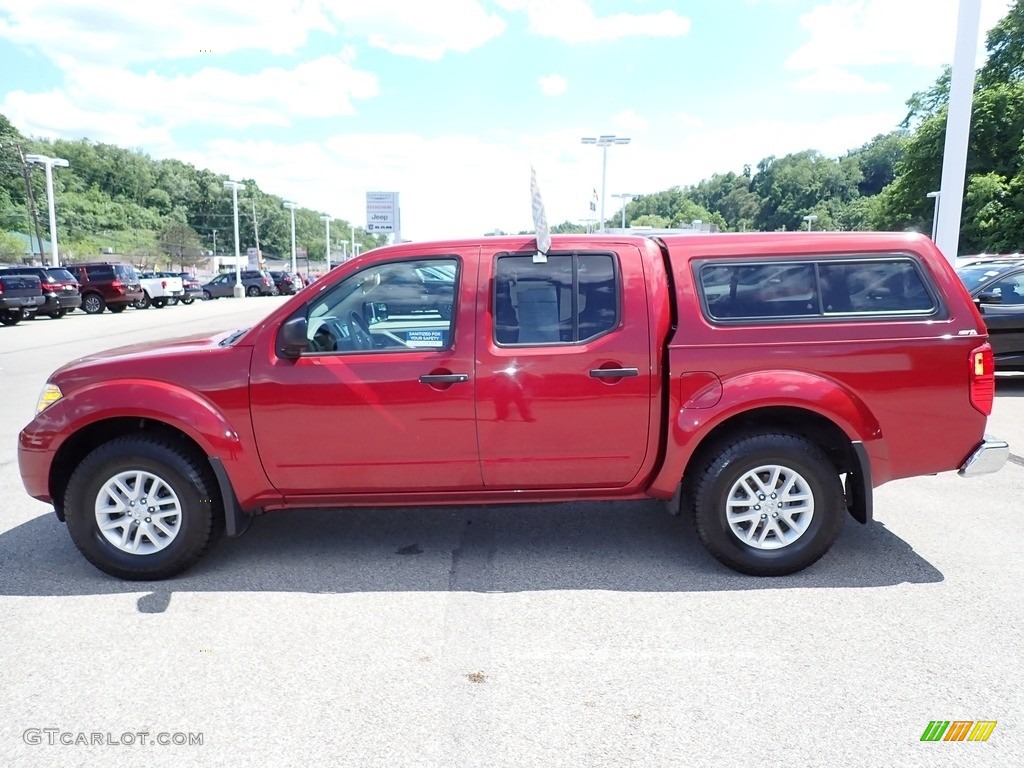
x,y
691,424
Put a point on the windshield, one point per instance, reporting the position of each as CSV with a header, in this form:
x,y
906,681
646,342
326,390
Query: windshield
x,y
978,275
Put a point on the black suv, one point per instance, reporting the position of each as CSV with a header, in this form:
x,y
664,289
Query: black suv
x,y
60,289
107,284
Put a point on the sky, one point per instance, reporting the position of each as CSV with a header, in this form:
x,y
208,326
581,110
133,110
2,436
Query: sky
x,y
450,103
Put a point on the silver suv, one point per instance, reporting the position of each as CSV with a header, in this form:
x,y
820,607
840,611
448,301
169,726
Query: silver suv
x,y
257,282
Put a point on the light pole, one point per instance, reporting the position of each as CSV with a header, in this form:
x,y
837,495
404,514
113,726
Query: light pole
x,y
291,207
604,142
215,247
49,163
327,223
935,213
234,186
810,219
624,196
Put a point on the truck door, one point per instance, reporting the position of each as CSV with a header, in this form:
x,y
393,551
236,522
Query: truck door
x,y
564,370
383,400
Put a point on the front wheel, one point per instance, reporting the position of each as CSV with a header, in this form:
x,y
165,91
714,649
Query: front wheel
x,y
143,303
12,316
159,303
142,508
58,314
768,504
187,300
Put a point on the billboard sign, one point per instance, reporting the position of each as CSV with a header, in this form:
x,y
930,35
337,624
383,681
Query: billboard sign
x,y
382,212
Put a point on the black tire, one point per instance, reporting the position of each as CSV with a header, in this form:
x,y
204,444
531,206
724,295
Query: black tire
x,y
797,458
187,300
198,524
118,308
207,296
11,317
143,303
93,304
253,290
159,303
58,314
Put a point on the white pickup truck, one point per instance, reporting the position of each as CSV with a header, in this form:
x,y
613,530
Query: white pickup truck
x,y
159,288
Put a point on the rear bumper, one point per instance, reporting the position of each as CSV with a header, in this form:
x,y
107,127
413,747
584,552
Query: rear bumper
x,y
990,456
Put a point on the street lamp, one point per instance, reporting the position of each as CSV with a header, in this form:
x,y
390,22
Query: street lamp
x,y
234,186
49,163
935,213
215,246
604,142
810,219
291,207
624,196
327,223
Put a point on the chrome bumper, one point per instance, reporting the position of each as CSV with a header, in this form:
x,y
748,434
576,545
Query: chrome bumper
x,y
989,456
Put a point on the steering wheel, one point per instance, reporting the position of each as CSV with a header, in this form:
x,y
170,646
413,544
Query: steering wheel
x,y
323,340
359,331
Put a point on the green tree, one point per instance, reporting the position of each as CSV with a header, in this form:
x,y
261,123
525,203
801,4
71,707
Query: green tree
x,y
180,243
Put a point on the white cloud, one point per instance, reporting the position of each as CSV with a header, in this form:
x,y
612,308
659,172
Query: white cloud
x,y
115,31
419,29
553,85
118,32
830,80
92,96
574,21
846,34
629,121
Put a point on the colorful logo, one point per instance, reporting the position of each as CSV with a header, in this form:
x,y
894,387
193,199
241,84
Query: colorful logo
x,y
958,730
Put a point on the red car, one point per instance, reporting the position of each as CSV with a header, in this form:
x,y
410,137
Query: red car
x,y
764,382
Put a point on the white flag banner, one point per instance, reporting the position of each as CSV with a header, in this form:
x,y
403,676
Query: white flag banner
x,y
540,219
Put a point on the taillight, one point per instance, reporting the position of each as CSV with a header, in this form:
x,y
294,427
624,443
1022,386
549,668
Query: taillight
x,y
116,285
983,378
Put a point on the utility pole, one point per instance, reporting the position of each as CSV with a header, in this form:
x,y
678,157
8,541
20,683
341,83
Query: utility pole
x,y
31,203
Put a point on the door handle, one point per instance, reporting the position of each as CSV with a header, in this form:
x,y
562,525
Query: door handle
x,y
613,373
444,378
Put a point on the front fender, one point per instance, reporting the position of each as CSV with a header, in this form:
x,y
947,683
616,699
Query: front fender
x,y
690,423
184,410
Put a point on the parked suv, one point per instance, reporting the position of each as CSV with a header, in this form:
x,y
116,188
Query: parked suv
x,y
287,282
257,282
61,293
107,285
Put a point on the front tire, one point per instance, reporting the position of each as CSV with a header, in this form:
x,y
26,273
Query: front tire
x,y
768,504
159,303
187,300
143,508
12,317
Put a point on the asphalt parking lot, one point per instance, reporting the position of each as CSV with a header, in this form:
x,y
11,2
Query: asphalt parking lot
x,y
570,635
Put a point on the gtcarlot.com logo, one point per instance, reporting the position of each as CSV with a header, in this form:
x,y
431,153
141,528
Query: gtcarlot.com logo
x,y
958,730
56,736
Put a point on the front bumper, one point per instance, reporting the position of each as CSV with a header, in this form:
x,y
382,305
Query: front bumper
x,y
990,456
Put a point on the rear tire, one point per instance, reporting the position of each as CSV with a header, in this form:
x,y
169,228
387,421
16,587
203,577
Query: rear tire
x,y
58,314
118,308
252,290
207,296
93,304
143,303
143,508
187,301
768,504
159,303
11,317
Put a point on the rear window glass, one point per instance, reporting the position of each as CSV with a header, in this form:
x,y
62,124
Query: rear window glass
x,y
61,275
126,272
814,289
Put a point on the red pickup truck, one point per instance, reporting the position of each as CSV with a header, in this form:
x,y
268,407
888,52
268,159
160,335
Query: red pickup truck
x,y
764,383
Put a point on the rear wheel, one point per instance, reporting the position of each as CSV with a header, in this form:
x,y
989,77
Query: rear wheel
x,y
143,508
187,300
207,295
768,504
58,314
118,308
11,317
252,290
159,303
143,303
93,304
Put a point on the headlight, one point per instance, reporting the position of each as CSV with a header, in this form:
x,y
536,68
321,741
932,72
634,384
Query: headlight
x,y
51,394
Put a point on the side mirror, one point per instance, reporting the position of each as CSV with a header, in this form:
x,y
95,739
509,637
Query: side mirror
x,y
291,339
989,297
